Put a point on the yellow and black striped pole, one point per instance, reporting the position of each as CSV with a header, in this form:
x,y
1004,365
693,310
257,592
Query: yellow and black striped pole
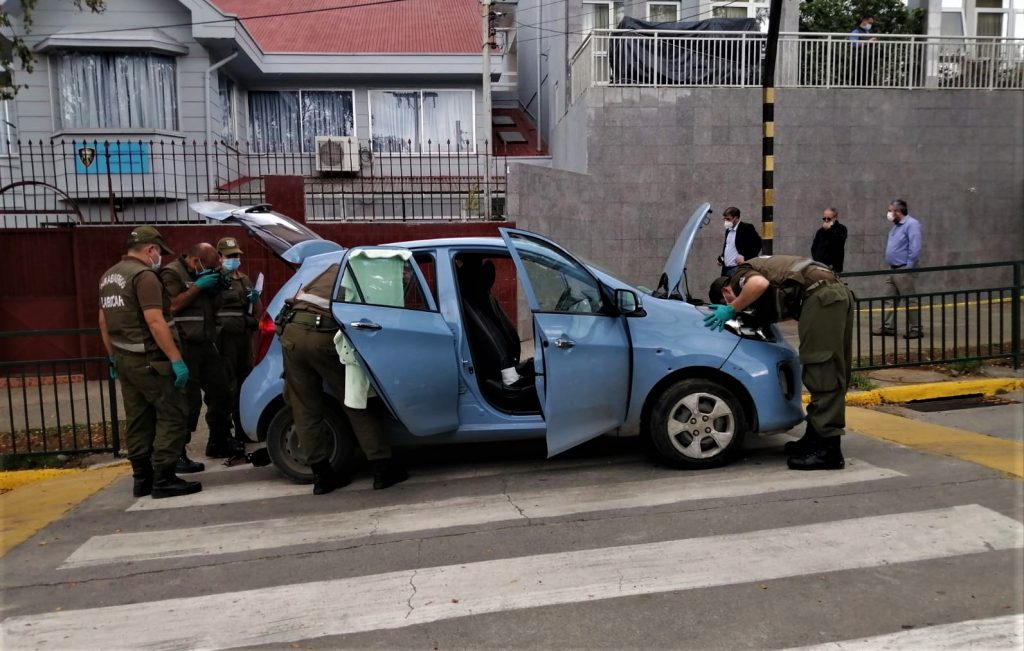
x,y
768,129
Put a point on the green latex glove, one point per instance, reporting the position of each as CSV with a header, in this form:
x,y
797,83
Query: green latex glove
x,y
716,320
112,368
180,373
253,295
208,280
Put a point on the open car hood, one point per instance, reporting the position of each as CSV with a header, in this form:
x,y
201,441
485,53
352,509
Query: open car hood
x,y
287,238
672,283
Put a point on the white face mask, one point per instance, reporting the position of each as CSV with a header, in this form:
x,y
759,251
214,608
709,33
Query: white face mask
x,y
890,216
826,225
155,265
727,224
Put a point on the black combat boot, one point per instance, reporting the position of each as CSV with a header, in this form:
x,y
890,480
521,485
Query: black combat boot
x,y
224,447
809,441
185,465
387,473
167,484
142,476
326,478
828,455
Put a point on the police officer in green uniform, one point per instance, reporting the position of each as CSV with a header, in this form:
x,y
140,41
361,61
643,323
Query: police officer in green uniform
x,y
237,317
791,287
194,283
311,359
142,344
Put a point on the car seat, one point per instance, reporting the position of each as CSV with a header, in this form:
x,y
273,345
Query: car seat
x,y
493,340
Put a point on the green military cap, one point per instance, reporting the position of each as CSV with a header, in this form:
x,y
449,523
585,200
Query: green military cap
x,y
148,235
228,246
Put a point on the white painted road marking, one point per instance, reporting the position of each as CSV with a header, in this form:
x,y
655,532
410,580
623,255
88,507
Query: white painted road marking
x,y
462,511
993,634
289,613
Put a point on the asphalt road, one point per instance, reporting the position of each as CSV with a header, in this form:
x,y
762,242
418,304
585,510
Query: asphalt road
x,y
495,547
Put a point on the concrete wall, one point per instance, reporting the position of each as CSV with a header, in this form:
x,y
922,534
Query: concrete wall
x,y
652,155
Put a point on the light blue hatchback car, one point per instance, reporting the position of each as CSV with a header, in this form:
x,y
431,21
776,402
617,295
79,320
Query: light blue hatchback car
x,y
588,353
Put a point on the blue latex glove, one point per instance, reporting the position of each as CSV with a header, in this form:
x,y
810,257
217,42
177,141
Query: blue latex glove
x,y
253,295
716,320
208,280
112,368
180,373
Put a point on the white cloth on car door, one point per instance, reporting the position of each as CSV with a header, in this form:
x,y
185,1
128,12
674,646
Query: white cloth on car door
x,y
357,382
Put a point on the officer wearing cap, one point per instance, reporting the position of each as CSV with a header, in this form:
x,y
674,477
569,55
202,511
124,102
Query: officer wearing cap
x,y
142,345
310,361
237,317
194,283
791,287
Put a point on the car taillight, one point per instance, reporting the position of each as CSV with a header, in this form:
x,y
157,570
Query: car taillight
x,y
264,337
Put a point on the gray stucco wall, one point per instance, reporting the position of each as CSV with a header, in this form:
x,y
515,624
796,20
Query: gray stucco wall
x,y
956,157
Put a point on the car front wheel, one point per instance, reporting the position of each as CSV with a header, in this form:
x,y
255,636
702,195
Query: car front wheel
x,y
696,423
287,454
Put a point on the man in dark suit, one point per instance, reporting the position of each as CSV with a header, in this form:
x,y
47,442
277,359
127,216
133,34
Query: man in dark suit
x,y
741,242
829,245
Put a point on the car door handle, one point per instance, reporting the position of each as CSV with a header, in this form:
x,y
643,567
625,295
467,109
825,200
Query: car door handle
x,y
365,325
564,343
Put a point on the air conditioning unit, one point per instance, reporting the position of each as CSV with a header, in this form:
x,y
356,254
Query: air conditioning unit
x,y
337,154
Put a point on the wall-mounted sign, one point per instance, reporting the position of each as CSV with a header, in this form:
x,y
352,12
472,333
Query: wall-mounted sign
x,y
113,157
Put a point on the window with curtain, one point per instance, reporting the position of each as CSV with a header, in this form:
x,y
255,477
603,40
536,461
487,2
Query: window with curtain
x,y
415,121
662,12
601,15
290,120
116,91
226,89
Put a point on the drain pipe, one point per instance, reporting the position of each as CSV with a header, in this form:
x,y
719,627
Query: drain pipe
x,y
206,93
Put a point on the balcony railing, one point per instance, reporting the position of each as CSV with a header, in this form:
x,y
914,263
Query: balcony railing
x,y
611,57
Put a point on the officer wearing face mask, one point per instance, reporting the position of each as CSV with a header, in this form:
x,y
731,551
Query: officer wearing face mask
x,y
829,245
194,283
237,317
142,344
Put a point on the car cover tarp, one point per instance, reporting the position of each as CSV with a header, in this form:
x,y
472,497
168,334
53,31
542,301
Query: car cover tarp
x,y
681,59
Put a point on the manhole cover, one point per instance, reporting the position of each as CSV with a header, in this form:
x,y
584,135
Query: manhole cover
x,y
959,402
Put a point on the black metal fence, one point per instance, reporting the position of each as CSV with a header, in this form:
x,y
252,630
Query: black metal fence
x,y
153,181
53,406
956,325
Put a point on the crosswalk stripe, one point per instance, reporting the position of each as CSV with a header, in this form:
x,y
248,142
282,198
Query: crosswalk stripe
x,y
462,511
991,634
271,485
289,613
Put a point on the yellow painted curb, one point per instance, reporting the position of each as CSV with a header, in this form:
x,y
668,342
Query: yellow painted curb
x,y
11,479
989,451
25,511
909,392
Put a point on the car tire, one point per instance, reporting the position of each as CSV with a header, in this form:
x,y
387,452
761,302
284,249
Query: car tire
x,y
696,423
287,455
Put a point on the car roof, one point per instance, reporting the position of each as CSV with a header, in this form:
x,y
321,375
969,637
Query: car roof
x,y
488,242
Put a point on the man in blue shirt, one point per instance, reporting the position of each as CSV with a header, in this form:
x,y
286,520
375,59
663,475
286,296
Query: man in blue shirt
x,y
902,251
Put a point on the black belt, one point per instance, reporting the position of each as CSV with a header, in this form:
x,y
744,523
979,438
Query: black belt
x,y
897,266
315,321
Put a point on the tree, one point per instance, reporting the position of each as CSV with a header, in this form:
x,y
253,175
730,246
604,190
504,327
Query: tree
x,y
13,48
891,16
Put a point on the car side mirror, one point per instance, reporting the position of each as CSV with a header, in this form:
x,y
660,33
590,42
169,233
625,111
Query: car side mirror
x,y
628,303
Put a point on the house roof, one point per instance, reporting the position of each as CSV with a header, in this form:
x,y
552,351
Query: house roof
x,y
345,27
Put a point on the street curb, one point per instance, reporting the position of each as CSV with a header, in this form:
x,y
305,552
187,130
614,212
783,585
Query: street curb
x,y
930,391
26,511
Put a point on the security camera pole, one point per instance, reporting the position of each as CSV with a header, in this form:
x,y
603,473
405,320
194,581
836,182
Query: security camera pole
x,y
768,128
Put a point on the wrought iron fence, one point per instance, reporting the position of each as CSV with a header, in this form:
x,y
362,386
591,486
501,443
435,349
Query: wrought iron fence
x,y
53,406
956,325
609,57
153,181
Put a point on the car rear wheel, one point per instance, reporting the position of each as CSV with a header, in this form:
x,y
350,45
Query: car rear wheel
x,y
288,455
696,423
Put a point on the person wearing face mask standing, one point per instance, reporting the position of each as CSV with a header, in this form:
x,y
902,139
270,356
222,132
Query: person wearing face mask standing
x,y
194,284
902,251
237,318
829,245
861,69
142,345
741,241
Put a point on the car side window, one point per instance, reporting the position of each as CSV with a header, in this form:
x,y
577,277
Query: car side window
x,y
559,283
381,280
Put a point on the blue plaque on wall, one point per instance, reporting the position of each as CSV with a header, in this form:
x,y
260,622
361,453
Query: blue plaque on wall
x,y
114,157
